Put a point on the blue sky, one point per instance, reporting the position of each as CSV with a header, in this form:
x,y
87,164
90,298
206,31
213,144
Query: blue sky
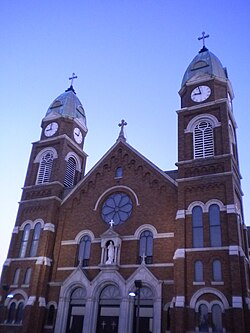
x,y
130,57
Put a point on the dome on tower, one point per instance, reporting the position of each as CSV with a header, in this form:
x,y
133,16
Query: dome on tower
x,y
204,65
67,105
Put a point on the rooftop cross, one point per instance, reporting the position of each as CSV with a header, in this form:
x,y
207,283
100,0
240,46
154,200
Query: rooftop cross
x,y
72,78
122,124
203,38
111,223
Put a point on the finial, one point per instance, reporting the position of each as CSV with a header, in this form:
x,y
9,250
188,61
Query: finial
x,y
203,37
121,134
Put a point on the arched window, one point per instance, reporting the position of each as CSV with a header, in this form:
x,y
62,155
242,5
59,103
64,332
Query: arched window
x,y
76,310
19,313
197,226
35,240
198,271
203,139
27,275
51,311
24,241
216,269
203,318
146,247
11,313
45,167
84,250
16,276
214,225
118,172
69,179
217,319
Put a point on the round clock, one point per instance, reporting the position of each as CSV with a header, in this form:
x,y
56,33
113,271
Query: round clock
x,y
117,207
200,93
51,129
77,135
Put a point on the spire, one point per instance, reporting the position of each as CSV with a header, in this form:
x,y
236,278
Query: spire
x,y
121,134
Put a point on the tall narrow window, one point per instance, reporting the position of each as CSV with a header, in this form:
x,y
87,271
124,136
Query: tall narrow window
x,y
24,241
19,313
35,240
217,319
198,271
203,140
45,168
84,250
11,313
214,225
216,269
27,275
197,226
118,172
16,276
50,315
70,173
146,247
203,318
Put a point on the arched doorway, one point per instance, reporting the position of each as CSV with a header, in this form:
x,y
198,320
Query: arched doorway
x,y
76,311
109,310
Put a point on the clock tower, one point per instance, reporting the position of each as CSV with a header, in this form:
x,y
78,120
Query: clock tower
x,y
211,237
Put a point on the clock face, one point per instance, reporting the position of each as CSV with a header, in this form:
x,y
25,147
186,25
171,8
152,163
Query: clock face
x,y
200,93
77,135
117,207
51,129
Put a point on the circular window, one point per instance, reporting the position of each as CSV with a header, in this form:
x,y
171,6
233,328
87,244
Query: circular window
x,y
116,207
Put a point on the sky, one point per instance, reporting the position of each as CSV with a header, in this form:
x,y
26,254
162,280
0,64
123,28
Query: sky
x,y
130,57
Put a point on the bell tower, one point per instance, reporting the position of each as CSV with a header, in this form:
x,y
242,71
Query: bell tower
x,y
57,163
211,237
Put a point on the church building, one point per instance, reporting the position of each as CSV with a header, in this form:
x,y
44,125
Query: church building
x,y
128,247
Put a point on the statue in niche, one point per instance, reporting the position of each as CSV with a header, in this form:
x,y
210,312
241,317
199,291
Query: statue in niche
x,y
111,253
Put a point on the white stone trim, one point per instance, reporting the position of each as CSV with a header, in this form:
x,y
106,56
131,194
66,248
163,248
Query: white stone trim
x,y
204,116
41,152
179,254
212,202
237,302
82,233
180,214
42,302
76,157
43,261
49,227
233,250
232,209
15,230
7,262
208,290
31,300
180,301
145,227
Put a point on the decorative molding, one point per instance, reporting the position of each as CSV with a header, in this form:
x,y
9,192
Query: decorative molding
x,y
179,254
42,301
7,262
232,209
43,261
31,300
204,116
233,250
15,230
49,227
180,214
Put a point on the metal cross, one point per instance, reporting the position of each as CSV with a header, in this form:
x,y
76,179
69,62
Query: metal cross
x,y
103,324
113,325
122,124
203,38
111,223
72,78
143,258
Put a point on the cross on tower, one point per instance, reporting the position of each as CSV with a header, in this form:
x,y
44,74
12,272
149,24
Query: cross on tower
x,y
72,78
203,38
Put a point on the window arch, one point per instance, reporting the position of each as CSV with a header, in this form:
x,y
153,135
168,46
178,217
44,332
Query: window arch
x,y
198,271
214,225
203,318
84,250
203,139
217,319
27,276
24,241
45,167
70,173
197,226
16,276
35,240
146,247
216,270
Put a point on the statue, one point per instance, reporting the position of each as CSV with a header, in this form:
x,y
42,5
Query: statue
x,y
111,253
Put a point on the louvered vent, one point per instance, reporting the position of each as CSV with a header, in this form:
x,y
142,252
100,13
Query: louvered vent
x,y
203,140
70,172
45,168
